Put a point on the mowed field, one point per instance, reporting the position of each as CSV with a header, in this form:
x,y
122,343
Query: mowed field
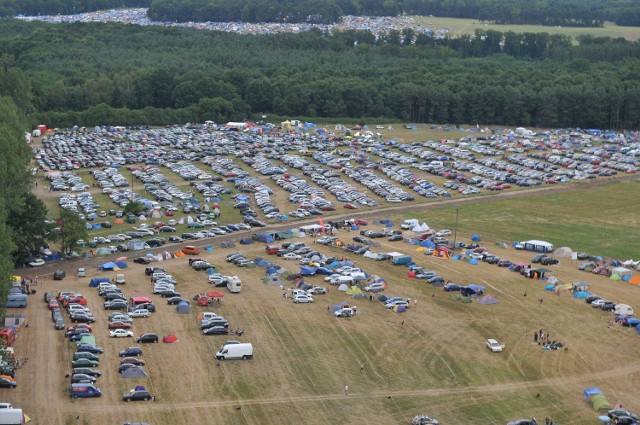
x,y
431,359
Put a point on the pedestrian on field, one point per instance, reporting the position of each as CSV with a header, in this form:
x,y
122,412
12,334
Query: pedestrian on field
x,y
346,390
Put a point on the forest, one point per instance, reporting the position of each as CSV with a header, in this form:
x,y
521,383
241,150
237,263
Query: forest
x,y
90,74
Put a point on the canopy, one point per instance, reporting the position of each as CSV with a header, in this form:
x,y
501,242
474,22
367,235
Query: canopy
x,y
140,300
215,294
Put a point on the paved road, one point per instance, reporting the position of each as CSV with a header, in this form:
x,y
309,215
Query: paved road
x,y
70,265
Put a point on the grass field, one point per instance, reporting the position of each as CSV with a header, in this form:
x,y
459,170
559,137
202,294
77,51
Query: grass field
x,y
468,26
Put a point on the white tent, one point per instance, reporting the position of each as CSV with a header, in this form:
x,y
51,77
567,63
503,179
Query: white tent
x,y
344,287
189,219
620,270
564,251
424,227
417,228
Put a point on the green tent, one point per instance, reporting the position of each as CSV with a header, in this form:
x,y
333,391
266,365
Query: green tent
x,y
615,277
354,290
599,402
88,339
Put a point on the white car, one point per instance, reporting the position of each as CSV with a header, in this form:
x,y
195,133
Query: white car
x,y
598,303
302,298
317,290
397,303
374,287
272,215
443,233
120,333
143,312
494,345
37,263
344,312
291,256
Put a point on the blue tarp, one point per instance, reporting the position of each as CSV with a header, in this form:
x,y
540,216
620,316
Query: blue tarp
x,y
427,244
550,287
208,248
588,392
97,280
626,277
96,226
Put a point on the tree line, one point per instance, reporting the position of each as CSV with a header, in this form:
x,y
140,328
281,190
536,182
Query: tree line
x,y
93,74
574,13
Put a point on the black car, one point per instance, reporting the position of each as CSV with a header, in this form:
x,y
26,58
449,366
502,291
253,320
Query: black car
x,y
617,413
592,298
216,330
395,238
124,367
80,331
175,300
547,261
7,383
122,247
130,352
88,348
169,293
146,306
59,275
86,371
537,258
147,338
137,395
608,306
491,259
359,239
115,305
82,318
175,239
142,260
151,270
504,263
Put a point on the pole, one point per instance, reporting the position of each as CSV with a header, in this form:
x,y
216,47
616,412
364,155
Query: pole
x,y
455,232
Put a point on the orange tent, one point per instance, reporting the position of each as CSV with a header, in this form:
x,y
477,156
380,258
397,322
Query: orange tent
x,y
635,280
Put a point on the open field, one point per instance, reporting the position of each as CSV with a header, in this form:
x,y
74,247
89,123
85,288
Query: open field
x,y
468,26
434,363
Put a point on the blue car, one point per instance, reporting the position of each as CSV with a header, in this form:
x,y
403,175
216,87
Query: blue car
x,y
131,351
87,348
451,287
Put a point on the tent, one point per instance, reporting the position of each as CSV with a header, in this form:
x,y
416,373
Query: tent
x,y
411,275
272,269
473,261
354,290
263,237
475,238
550,287
344,287
487,299
427,244
588,392
140,300
272,280
615,277
183,307
227,244
564,251
169,338
599,403
635,280
580,295
93,283
307,271
122,265
246,241
134,372
88,339
442,252
399,309
620,270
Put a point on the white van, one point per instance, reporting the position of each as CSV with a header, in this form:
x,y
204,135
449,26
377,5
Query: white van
x,y
234,285
120,279
235,351
409,224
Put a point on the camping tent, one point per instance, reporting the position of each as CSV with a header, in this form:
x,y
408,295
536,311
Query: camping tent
x,y
108,266
354,290
635,280
581,295
246,241
599,403
344,287
134,372
97,280
183,307
588,392
441,252
564,251
169,338
273,280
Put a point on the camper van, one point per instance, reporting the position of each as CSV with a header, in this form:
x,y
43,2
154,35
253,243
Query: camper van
x,y
85,390
120,279
402,260
17,301
234,285
11,416
235,351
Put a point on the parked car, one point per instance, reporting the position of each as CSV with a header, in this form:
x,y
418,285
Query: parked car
x,y
84,363
119,325
374,287
147,337
215,330
138,395
547,261
504,263
143,312
120,333
86,371
132,360
131,352
494,345
88,348
80,377
302,298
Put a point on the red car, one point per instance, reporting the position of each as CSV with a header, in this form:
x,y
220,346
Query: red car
x,y
119,325
80,326
350,206
74,300
271,250
360,222
132,360
53,304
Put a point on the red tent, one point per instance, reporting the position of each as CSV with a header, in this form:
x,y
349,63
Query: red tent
x,y
411,274
215,294
169,338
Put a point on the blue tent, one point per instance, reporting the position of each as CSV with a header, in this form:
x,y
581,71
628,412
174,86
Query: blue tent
x,y
272,270
260,262
108,266
208,248
626,277
335,264
246,241
383,298
581,295
211,270
263,237
122,265
389,223
473,261
183,307
475,238
550,287
324,271
94,282
307,271
456,257
96,226
633,321
354,227
427,244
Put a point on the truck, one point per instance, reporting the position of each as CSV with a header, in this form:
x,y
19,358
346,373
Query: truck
x,y
83,390
11,416
17,301
234,285
242,351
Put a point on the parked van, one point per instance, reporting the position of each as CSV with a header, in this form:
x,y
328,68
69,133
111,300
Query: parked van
x,y
402,260
17,301
235,351
190,250
120,279
11,416
85,390
85,355
234,285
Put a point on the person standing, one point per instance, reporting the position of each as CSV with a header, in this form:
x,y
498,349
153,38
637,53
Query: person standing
x,y
346,390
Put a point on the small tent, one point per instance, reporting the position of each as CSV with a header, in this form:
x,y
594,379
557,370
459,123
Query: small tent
x,y
273,280
564,251
580,295
134,372
169,338
354,290
183,307
600,403
344,287
441,252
